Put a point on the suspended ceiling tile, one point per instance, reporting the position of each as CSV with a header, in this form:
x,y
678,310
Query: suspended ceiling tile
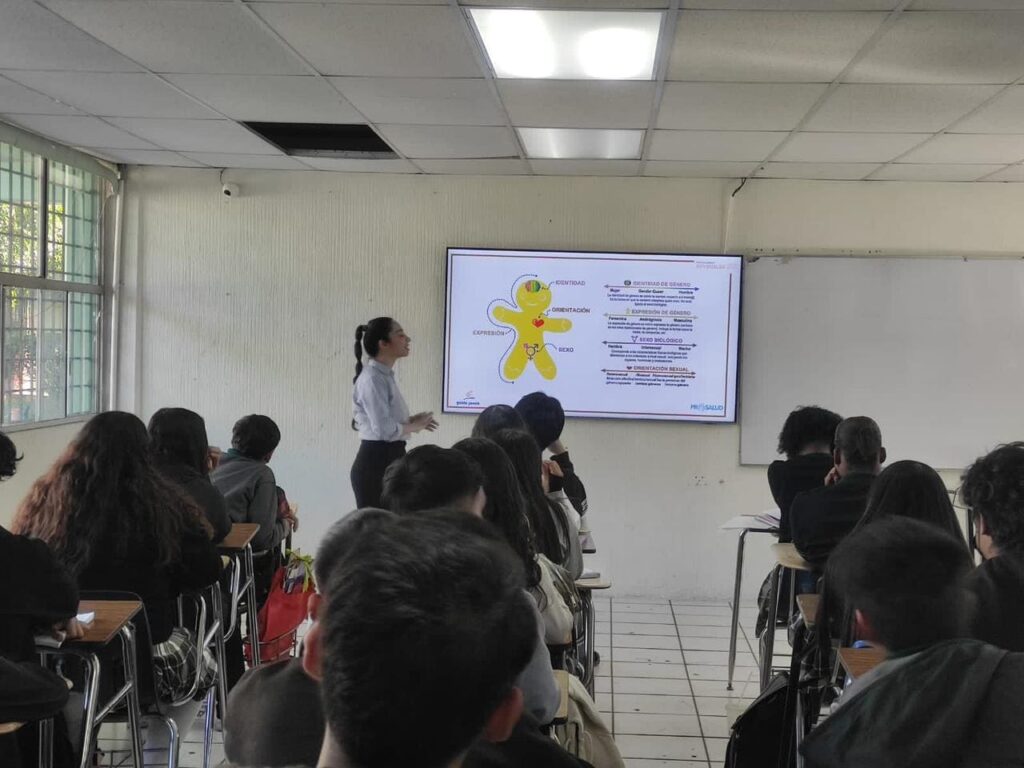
x,y
17,99
826,171
452,141
848,147
934,172
270,98
947,48
586,167
80,131
577,103
970,148
231,160
145,157
757,47
699,170
736,106
31,37
375,40
1004,115
114,94
360,166
422,101
197,135
485,167
199,37
734,146
896,108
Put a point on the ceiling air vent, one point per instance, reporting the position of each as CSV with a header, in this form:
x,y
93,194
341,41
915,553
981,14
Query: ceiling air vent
x,y
325,140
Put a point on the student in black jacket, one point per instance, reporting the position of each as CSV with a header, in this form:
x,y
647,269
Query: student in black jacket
x,y
993,489
821,518
182,453
545,419
938,700
807,439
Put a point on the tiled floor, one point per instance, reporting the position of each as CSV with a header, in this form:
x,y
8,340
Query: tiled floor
x,y
662,679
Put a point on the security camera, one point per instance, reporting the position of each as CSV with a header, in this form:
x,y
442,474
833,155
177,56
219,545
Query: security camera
x,y
229,191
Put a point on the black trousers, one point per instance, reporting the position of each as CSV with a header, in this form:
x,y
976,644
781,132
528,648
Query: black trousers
x,y
367,473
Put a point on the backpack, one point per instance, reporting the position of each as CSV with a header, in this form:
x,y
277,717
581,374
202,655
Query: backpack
x,y
760,734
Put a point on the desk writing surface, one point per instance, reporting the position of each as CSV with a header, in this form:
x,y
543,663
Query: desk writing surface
x,y
858,661
787,556
746,522
596,583
239,536
808,605
111,615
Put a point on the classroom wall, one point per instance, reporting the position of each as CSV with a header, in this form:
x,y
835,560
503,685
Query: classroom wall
x,y
38,448
249,305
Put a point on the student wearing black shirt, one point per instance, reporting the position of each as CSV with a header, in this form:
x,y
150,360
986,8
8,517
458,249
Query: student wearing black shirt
x,y
545,420
806,440
993,489
819,519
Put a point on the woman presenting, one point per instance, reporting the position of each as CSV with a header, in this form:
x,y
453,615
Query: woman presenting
x,y
380,413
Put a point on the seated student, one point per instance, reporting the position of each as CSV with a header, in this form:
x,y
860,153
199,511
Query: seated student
x,y
506,510
822,517
249,486
430,476
555,525
993,490
915,490
182,452
444,687
807,440
284,692
937,701
545,420
38,597
116,523
495,417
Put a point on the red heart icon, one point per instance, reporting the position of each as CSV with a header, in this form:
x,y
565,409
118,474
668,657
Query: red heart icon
x,y
538,322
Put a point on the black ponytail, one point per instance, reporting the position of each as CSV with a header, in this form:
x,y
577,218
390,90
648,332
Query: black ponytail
x,y
360,330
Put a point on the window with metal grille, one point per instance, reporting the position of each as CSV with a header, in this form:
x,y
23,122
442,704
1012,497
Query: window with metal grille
x,y
50,288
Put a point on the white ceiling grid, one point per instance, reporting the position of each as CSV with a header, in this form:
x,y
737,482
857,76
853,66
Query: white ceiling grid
x,y
911,90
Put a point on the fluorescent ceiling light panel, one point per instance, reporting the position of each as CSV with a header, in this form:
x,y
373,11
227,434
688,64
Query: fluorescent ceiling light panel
x,y
581,143
569,45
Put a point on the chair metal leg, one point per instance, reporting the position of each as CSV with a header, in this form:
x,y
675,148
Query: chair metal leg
x,y
252,609
768,646
91,692
173,742
46,743
221,653
208,728
734,631
132,698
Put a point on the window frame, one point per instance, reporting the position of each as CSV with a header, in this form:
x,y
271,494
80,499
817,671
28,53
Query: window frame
x,y
42,282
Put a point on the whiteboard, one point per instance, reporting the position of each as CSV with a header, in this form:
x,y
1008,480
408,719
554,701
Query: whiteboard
x,y
932,349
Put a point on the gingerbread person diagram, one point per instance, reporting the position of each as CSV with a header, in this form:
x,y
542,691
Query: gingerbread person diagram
x,y
528,318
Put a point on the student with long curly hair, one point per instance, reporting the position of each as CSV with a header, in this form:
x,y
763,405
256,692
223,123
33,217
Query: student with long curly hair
x,y
117,523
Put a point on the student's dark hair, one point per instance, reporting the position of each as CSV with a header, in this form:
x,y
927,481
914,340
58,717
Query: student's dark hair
x,y
430,476
178,436
547,518
105,488
859,440
915,490
426,624
544,417
808,425
905,576
993,487
505,508
368,339
495,417
255,436
342,536
9,457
